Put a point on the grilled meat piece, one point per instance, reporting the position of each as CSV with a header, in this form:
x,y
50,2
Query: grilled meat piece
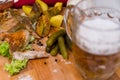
x,y
18,40
29,55
8,25
27,25
12,20
17,30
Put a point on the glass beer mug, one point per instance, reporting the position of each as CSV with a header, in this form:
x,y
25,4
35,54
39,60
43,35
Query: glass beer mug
x,y
94,29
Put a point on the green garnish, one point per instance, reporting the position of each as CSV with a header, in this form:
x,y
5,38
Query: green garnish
x,y
16,66
28,47
4,49
32,38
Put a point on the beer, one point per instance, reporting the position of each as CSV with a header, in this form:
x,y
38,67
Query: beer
x,y
95,67
96,46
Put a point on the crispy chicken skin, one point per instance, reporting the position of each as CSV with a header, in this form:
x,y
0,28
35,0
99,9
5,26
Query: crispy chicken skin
x,y
18,40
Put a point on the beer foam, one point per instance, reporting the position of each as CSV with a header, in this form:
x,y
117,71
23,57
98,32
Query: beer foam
x,y
99,36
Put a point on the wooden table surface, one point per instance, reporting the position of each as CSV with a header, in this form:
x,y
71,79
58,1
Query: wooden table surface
x,y
52,68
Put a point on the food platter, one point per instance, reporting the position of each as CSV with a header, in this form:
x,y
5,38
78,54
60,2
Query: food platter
x,y
47,67
15,30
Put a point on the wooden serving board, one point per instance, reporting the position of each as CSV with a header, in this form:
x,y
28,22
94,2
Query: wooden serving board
x,y
52,68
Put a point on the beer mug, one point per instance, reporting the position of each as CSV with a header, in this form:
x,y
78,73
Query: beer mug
x,y
93,26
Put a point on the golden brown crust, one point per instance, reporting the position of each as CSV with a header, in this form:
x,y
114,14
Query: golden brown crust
x,y
18,40
5,5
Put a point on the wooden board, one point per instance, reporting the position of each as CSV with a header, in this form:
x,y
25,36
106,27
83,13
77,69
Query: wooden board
x,y
52,68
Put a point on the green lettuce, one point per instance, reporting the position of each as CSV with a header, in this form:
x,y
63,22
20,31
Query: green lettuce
x,y
4,49
16,66
29,46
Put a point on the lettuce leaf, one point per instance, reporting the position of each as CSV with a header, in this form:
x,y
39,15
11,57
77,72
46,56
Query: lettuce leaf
x,y
4,49
16,66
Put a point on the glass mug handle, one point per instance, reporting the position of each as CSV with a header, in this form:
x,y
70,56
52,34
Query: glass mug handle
x,y
72,16
67,20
